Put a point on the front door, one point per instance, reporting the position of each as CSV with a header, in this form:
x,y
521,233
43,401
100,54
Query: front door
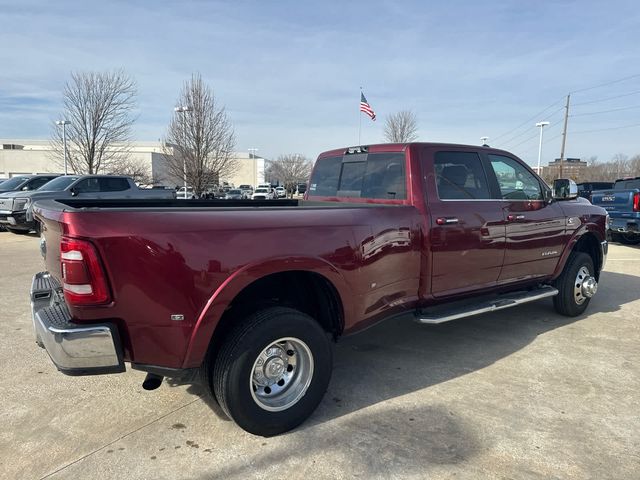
x,y
535,228
467,231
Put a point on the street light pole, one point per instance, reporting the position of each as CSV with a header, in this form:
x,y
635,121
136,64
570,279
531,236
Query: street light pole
x,y
540,125
183,109
64,124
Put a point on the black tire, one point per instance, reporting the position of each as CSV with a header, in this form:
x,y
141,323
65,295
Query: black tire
x,y
629,238
566,303
17,231
231,377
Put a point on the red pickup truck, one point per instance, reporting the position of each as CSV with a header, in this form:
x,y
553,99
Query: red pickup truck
x,y
250,294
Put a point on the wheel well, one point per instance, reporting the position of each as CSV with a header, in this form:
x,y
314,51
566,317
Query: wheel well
x,y
308,292
590,245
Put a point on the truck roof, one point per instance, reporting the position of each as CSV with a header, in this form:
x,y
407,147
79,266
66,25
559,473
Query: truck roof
x,y
400,147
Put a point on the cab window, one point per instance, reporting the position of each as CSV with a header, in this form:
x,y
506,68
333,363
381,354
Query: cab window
x,y
460,176
87,185
514,180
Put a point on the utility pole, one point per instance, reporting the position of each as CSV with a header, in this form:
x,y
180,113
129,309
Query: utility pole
x,y
564,133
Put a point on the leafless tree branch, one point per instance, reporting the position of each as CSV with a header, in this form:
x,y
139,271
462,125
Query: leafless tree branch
x,y
289,170
99,106
401,127
202,137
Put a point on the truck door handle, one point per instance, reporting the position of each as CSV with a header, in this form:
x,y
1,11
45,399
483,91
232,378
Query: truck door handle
x,y
446,220
512,218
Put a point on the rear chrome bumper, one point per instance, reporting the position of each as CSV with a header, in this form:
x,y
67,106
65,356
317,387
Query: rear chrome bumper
x,y
74,349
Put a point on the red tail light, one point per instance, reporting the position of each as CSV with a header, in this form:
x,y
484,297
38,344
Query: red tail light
x,y
636,202
83,279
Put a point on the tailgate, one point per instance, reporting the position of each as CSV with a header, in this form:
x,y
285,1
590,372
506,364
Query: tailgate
x,y
614,201
52,228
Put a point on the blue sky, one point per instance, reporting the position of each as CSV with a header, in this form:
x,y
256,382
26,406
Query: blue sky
x,y
289,72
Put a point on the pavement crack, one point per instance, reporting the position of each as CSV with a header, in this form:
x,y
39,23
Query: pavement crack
x,y
119,438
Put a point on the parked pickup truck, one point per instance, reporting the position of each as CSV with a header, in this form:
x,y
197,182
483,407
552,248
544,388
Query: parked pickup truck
x,y
16,208
250,293
622,203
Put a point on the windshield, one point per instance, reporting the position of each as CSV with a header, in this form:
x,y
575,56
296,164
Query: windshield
x,y
245,187
235,192
261,190
58,184
14,182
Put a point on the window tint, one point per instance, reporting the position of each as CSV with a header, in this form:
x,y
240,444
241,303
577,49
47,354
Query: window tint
x,y
384,176
113,184
351,179
376,175
515,181
326,174
460,176
38,182
87,185
627,184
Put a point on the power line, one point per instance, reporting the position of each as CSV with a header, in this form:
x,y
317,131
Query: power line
x,y
526,131
527,121
604,129
607,83
604,111
524,141
553,125
607,98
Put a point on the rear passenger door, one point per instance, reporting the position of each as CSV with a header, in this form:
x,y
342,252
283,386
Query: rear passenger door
x,y
535,228
467,232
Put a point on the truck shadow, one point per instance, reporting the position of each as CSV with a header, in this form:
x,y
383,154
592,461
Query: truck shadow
x,y
411,440
398,357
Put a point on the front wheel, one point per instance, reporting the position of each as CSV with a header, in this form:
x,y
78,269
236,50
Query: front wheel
x,y
272,370
576,285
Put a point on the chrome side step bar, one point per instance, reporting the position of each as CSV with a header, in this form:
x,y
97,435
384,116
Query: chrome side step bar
x,y
500,303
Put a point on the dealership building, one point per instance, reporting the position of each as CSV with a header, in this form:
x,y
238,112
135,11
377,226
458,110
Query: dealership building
x,y
20,157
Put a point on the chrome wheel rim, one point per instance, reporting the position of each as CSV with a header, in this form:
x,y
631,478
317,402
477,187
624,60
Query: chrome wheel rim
x,y
281,374
585,286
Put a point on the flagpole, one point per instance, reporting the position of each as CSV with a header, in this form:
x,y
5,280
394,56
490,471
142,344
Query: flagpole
x,y
359,119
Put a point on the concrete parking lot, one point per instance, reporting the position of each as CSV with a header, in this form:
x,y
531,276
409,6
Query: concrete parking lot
x,y
522,394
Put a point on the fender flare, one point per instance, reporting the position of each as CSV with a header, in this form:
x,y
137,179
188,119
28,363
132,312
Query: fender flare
x,y
224,295
575,238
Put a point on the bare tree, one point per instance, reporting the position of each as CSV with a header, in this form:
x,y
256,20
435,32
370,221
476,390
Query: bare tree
x,y
401,127
138,171
289,170
200,138
99,107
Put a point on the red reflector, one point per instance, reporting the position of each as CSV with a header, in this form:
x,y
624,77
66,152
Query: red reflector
x,y
636,202
84,281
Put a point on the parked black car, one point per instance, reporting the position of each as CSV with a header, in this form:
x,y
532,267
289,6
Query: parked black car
x,y
585,189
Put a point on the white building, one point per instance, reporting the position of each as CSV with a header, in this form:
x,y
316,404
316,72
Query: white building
x,y
20,157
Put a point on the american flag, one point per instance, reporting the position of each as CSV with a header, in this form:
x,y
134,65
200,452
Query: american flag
x,y
366,108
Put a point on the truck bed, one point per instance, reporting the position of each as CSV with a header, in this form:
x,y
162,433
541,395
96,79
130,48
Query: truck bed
x,y
190,258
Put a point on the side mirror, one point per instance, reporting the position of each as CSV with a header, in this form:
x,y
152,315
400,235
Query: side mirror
x,y
25,188
564,189
74,192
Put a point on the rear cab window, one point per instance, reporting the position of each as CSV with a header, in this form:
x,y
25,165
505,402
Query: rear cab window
x,y
374,176
460,176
